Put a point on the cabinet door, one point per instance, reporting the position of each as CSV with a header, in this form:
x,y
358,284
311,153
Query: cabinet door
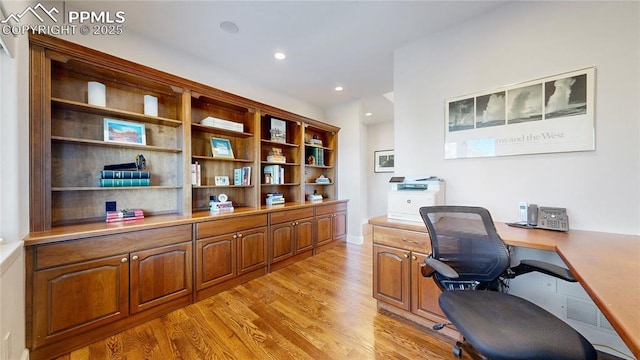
x,y
215,260
324,232
252,249
282,241
424,291
340,225
69,300
304,235
391,274
160,275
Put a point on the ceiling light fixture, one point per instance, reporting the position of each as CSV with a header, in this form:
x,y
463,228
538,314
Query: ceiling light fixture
x,y
339,88
279,55
368,114
229,27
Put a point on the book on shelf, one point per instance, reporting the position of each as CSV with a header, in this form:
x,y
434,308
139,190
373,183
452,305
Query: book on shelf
x,y
237,176
196,178
278,130
124,215
246,175
315,156
124,182
124,174
222,124
276,155
221,206
273,174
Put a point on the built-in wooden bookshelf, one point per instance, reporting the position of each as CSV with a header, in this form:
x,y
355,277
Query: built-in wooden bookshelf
x,y
68,147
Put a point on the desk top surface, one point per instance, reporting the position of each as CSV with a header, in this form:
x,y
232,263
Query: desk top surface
x,y
606,265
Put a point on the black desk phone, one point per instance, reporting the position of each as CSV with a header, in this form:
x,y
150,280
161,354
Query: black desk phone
x,y
545,217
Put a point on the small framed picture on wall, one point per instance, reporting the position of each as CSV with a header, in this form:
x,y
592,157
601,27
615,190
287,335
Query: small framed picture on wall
x,y
383,161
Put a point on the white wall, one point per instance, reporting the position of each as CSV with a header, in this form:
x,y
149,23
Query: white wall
x,y
133,47
379,137
14,192
518,42
352,170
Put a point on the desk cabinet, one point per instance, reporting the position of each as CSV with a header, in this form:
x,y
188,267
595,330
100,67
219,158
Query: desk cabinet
x,y
398,256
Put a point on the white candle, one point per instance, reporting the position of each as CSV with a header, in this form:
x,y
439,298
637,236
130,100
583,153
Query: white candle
x,y
97,94
150,105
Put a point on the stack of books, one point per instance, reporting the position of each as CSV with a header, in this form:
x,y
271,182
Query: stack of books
x,y
124,215
220,207
274,199
276,156
119,178
222,124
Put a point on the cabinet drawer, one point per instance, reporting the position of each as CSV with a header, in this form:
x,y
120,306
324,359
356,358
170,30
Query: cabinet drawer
x,y
410,240
330,209
290,215
69,252
226,226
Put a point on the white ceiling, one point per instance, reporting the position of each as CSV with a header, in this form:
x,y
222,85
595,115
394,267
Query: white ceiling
x,y
327,43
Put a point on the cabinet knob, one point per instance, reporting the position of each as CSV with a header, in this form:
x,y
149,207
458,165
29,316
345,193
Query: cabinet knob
x,y
124,260
240,235
412,258
235,236
406,255
134,257
293,223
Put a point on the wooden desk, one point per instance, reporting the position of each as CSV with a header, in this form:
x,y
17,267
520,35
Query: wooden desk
x,y
606,265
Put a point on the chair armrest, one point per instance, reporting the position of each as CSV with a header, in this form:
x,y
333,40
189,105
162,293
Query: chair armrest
x,y
527,266
441,268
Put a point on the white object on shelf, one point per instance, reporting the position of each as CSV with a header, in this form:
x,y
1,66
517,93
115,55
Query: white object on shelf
x,y
97,94
150,105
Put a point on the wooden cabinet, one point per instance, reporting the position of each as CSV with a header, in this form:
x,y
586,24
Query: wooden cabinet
x,y
87,287
280,156
398,256
214,119
291,234
229,252
319,161
73,139
331,225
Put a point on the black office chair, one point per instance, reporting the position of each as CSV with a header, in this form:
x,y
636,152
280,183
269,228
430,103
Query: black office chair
x,y
467,254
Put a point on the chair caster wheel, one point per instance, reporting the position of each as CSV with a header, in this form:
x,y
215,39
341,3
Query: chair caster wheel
x,y
457,351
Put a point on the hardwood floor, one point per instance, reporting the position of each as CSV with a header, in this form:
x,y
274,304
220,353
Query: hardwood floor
x,y
319,308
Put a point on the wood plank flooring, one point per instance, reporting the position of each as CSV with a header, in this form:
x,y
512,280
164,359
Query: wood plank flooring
x,y
319,308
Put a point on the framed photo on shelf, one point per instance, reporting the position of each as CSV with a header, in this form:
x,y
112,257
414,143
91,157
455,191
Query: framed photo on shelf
x,y
221,148
221,180
124,132
383,161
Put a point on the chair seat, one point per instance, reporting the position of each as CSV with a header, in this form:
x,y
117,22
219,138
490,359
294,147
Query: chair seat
x,y
503,326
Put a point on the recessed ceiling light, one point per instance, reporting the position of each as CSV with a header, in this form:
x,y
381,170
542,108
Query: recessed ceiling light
x,y
229,27
368,114
339,88
279,55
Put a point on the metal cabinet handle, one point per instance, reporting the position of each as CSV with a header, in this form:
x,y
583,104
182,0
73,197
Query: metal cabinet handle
x,y
134,257
406,255
235,236
124,260
410,241
414,258
240,235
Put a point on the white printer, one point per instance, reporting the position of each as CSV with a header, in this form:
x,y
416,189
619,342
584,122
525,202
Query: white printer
x,y
409,194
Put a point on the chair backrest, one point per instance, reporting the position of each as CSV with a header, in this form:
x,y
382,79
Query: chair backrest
x,y
465,238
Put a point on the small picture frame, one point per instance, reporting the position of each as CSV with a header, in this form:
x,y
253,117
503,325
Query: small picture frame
x,y
221,148
383,161
124,132
221,180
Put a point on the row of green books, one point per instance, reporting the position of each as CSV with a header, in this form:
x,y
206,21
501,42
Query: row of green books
x,y
120,178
